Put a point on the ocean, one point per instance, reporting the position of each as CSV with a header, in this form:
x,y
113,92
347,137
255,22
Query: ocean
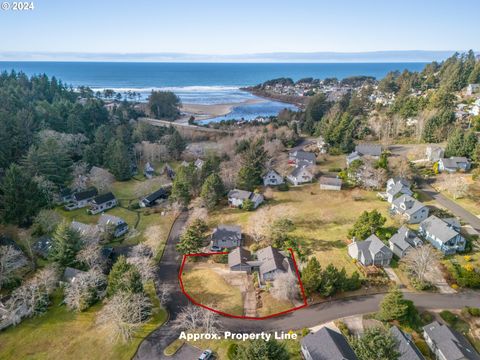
x,y
200,83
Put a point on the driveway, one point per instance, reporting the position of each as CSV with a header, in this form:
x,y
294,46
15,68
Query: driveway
x,y
452,206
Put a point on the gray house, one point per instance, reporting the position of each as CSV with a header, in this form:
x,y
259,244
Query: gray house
x,y
326,344
236,198
301,158
148,171
371,251
114,224
239,260
330,183
397,187
226,237
272,178
443,234
412,210
404,240
300,175
447,344
454,164
406,347
102,203
371,150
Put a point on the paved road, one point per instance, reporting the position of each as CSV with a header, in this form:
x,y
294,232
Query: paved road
x,y
452,206
152,347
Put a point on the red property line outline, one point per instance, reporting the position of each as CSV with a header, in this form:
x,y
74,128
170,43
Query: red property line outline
x,y
305,304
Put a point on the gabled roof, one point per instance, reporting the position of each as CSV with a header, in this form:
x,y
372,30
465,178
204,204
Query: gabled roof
x,y
411,204
304,156
271,259
369,247
83,229
369,149
239,194
406,347
405,238
298,171
453,162
238,256
104,198
71,273
452,345
87,194
227,232
327,180
438,228
159,194
272,172
327,344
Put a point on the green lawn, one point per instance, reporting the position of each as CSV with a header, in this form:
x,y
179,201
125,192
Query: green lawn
x,y
60,333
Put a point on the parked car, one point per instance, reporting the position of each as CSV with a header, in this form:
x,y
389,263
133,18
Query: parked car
x,y
207,354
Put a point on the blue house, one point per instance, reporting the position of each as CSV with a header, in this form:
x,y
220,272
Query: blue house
x,y
443,234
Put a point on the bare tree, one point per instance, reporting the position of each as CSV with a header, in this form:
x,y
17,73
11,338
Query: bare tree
x,y
124,314
400,166
259,224
145,266
141,249
164,292
87,289
11,260
285,287
91,255
420,260
210,321
193,317
46,221
80,175
101,179
455,184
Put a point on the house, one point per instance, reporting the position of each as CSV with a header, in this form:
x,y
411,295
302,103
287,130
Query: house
x,y
322,145
472,89
199,164
151,200
352,157
397,187
326,344
70,274
81,199
167,170
102,203
268,262
302,158
434,153
272,178
447,344
114,224
412,210
404,240
226,237
443,234
361,150
405,345
86,231
236,198
300,175
454,164
330,183
371,251
42,246
148,171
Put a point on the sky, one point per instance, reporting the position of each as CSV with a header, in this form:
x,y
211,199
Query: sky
x,y
220,27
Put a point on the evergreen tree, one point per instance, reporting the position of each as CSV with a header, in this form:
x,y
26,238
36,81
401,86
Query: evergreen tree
x,y
367,224
393,306
193,238
253,159
164,105
212,191
375,343
175,144
20,197
260,349
124,277
311,276
184,184
118,160
66,242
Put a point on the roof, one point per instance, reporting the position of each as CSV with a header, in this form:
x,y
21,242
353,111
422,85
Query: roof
x,y
411,204
238,256
369,149
70,273
327,344
160,193
353,156
452,345
272,171
452,162
104,198
304,156
406,347
239,194
87,194
106,219
369,247
398,185
227,233
405,238
271,259
326,180
439,228
299,171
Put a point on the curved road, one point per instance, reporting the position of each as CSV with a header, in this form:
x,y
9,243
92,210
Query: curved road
x,y
152,347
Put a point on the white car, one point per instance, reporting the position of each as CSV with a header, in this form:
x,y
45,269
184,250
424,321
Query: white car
x,y
207,354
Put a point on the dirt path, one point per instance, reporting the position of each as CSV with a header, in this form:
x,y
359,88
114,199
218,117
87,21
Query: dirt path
x,y
250,301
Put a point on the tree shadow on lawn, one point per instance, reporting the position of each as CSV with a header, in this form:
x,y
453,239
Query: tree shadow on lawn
x,y
314,224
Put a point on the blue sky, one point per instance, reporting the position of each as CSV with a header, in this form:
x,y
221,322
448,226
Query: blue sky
x,y
241,26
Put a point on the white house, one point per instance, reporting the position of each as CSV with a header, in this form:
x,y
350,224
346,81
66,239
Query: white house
x,y
443,234
397,187
102,203
236,198
371,251
412,210
330,183
272,178
300,175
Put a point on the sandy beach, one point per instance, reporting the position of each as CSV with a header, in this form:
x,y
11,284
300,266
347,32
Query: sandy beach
x,y
207,111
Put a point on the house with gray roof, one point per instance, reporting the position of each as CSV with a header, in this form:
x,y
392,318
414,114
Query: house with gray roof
x,y
113,224
404,240
226,237
300,175
326,344
370,150
397,187
352,157
70,274
443,234
236,198
330,183
406,347
239,260
301,158
148,171
454,164
371,251
412,210
81,199
447,344
102,203
272,178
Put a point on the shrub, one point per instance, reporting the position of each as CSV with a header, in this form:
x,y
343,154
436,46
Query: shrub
x,y
343,328
449,317
248,205
305,332
426,317
337,170
232,351
283,187
474,311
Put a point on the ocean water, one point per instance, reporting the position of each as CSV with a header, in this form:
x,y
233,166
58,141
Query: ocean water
x,y
200,83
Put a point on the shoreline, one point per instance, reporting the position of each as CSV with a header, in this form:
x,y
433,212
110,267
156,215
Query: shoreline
x,y
210,111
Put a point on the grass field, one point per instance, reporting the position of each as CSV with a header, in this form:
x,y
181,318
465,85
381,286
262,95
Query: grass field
x,y
210,289
60,333
272,305
322,218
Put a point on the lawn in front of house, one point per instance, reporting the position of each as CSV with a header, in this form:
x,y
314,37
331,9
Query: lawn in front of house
x,y
209,288
60,333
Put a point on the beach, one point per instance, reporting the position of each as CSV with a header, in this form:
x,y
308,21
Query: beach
x,y
208,111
